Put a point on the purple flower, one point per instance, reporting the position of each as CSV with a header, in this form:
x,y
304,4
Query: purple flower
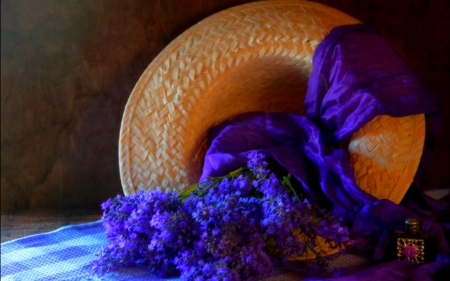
x,y
334,233
143,229
231,228
257,164
243,185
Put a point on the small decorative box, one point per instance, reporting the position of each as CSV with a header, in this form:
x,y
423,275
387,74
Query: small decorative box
x,y
411,242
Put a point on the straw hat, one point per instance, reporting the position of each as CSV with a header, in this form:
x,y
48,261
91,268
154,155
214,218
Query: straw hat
x,y
253,57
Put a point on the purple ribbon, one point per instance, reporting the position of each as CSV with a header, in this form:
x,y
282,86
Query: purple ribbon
x,y
356,76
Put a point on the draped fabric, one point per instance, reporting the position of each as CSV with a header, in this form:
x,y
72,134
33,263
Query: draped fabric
x,y
356,76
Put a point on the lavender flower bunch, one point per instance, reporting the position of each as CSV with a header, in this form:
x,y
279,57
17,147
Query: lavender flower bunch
x,y
148,229
236,227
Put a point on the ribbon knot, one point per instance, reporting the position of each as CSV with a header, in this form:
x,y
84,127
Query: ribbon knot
x,y
356,76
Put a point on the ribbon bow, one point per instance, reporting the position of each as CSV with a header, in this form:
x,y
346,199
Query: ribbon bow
x,y
356,76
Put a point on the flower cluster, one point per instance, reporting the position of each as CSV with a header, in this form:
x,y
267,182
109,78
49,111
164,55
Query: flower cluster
x,y
235,227
144,229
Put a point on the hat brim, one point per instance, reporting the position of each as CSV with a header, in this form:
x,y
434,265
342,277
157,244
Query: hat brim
x,y
253,57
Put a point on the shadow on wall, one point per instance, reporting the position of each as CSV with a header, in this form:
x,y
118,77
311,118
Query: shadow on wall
x,y
67,70
68,67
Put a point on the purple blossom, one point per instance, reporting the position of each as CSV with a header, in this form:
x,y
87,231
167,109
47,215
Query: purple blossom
x,y
234,228
143,229
257,164
333,232
242,185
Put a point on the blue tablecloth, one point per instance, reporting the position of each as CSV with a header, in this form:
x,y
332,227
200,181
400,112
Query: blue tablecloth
x,y
65,254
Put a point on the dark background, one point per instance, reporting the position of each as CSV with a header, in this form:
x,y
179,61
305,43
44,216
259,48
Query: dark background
x,y
68,68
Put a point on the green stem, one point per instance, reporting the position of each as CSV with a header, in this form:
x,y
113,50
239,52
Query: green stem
x,y
288,184
187,192
312,249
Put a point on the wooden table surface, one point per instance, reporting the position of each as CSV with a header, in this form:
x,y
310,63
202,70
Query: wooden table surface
x,y
28,222
24,223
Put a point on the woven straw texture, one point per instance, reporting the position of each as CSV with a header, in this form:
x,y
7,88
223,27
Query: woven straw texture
x,y
385,154
253,57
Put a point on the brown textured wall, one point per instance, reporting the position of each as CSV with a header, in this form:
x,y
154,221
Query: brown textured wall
x,y
68,67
